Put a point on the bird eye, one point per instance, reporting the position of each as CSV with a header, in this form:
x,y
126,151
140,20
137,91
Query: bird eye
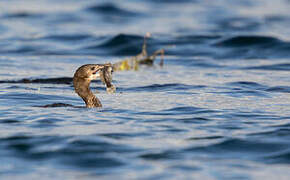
x,y
92,68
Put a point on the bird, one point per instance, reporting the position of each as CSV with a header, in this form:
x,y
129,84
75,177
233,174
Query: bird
x,y
83,77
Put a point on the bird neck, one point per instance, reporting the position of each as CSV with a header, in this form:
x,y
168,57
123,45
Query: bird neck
x,y
82,88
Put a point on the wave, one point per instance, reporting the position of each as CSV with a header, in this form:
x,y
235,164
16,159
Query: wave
x,y
80,152
241,149
121,44
161,87
253,47
245,41
248,87
165,155
282,89
121,40
67,37
111,9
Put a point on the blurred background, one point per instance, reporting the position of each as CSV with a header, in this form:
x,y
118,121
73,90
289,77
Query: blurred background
x,y
218,109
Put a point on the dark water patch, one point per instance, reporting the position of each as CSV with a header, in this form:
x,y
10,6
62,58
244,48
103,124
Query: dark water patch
x,y
26,146
122,44
93,162
252,47
245,88
239,146
166,155
241,149
205,138
95,145
93,153
279,132
279,158
187,110
152,120
188,168
24,49
111,10
121,40
68,37
273,67
246,41
247,85
124,135
85,152
282,89
55,105
283,125
174,130
194,120
276,19
171,129
9,121
22,15
60,80
163,87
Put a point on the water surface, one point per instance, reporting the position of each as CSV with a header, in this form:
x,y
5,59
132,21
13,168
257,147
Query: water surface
x,y
218,109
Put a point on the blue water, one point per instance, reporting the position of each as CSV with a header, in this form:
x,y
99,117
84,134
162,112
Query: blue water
x,y
218,109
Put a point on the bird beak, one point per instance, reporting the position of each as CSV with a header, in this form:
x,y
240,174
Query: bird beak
x,y
95,74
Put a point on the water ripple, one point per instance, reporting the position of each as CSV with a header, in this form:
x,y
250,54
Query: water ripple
x,y
163,87
273,67
236,148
